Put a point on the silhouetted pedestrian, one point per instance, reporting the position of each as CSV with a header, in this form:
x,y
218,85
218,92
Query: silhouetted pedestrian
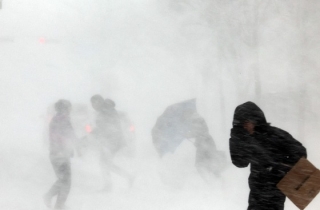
x,y
110,138
61,150
270,151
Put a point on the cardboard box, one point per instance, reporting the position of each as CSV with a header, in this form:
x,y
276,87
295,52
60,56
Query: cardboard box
x,y
301,184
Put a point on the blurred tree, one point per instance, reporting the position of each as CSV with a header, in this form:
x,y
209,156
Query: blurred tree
x,y
301,64
234,46
236,33
302,61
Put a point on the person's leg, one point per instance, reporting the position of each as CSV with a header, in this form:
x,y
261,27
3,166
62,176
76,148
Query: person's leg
x,y
266,198
276,199
64,176
55,188
109,166
123,173
106,165
253,200
119,171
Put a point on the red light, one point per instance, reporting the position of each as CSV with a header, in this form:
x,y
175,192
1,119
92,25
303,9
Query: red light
x,y
42,40
132,128
88,129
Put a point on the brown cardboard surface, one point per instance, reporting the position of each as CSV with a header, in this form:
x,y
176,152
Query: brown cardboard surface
x,y
301,184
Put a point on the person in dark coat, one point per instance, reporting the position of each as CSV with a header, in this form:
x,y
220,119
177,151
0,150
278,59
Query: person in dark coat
x,y
110,138
270,151
62,137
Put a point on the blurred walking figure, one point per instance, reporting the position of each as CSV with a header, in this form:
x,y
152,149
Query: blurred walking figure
x,y
110,138
180,122
270,151
209,160
62,138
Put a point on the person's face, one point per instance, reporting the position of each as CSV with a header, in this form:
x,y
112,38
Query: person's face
x,y
249,126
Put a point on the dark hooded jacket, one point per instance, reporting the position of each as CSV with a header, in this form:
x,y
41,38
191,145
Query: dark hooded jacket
x,y
270,151
108,128
62,136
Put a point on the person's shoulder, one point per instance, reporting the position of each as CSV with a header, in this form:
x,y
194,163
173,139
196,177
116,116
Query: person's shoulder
x,y
61,119
54,119
280,132
276,129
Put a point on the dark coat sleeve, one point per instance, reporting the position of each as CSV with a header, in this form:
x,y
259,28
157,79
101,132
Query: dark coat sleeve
x,y
238,146
293,149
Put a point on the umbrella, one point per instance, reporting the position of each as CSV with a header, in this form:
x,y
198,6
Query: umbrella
x,y
173,126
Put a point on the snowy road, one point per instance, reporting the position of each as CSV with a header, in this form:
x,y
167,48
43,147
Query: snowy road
x,y
170,184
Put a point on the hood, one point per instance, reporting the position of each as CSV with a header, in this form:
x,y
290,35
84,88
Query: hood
x,y
248,111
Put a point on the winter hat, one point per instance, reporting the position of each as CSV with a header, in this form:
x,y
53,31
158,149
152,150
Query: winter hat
x,y
96,98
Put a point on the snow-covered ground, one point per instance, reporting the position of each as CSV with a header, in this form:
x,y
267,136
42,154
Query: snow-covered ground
x,y
172,183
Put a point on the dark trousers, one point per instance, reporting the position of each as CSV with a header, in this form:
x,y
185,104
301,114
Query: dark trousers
x,y
266,196
61,187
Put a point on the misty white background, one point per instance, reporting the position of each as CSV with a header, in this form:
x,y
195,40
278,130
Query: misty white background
x,y
146,55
